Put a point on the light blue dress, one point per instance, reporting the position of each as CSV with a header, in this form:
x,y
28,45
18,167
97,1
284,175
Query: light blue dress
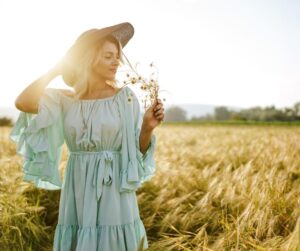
x,y
98,208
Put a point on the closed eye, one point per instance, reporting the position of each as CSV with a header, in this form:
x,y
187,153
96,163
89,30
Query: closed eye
x,y
109,57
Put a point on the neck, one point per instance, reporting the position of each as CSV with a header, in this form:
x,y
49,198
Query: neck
x,y
96,83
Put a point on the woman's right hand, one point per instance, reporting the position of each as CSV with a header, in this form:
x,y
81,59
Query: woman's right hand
x,y
28,99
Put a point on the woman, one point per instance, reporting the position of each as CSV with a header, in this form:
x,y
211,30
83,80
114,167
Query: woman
x,y
111,146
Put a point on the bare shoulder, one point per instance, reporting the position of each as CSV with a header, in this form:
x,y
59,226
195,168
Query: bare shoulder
x,y
67,92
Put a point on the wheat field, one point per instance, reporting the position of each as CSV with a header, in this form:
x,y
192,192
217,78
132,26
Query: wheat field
x,y
216,188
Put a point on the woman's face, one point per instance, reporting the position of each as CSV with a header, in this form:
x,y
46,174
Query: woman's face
x,y
107,61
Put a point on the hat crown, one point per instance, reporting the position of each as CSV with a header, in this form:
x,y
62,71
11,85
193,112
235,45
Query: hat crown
x,y
123,32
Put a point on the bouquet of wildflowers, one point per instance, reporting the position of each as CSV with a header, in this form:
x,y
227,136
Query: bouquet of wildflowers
x,y
148,85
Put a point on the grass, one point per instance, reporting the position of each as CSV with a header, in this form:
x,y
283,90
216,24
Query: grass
x,y
236,122
216,188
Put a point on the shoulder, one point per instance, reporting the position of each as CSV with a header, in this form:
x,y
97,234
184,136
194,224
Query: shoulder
x,y
130,95
59,94
129,91
60,91
66,92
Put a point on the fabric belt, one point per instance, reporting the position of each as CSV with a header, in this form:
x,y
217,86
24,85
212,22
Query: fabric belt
x,y
103,171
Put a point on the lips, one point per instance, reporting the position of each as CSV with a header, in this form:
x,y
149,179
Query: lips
x,y
113,70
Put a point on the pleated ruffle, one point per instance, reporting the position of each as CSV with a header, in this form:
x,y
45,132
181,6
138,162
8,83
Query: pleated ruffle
x,y
125,237
136,167
39,139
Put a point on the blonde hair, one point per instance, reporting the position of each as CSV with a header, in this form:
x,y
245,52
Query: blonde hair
x,y
83,67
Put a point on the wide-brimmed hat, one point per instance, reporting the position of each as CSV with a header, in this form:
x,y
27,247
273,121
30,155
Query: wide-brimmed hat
x,y
123,32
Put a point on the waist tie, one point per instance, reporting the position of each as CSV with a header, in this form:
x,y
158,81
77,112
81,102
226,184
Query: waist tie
x,y
103,171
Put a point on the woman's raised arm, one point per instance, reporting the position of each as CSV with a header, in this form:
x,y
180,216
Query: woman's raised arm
x,y
28,99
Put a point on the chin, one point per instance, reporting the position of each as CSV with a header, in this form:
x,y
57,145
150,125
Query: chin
x,y
110,77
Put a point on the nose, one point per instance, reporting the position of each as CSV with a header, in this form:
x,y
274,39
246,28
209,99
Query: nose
x,y
116,62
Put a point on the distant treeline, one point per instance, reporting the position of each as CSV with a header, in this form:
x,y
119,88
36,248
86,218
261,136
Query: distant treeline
x,y
222,113
5,121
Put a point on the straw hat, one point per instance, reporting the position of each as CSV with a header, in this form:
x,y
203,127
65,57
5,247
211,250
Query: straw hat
x,y
123,32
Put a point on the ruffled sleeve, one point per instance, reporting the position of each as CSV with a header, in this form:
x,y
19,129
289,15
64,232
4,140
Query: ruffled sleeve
x,y
39,139
136,167
146,160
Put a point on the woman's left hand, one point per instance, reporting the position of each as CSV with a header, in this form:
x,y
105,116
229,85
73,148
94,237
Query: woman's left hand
x,y
153,115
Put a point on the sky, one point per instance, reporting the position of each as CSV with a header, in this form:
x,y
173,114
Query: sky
x,y
232,53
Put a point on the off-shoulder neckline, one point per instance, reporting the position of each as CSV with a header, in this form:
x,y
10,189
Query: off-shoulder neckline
x,y
93,100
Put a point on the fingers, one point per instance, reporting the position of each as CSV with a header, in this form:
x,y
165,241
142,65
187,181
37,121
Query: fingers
x,y
158,104
160,118
157,107
159,110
